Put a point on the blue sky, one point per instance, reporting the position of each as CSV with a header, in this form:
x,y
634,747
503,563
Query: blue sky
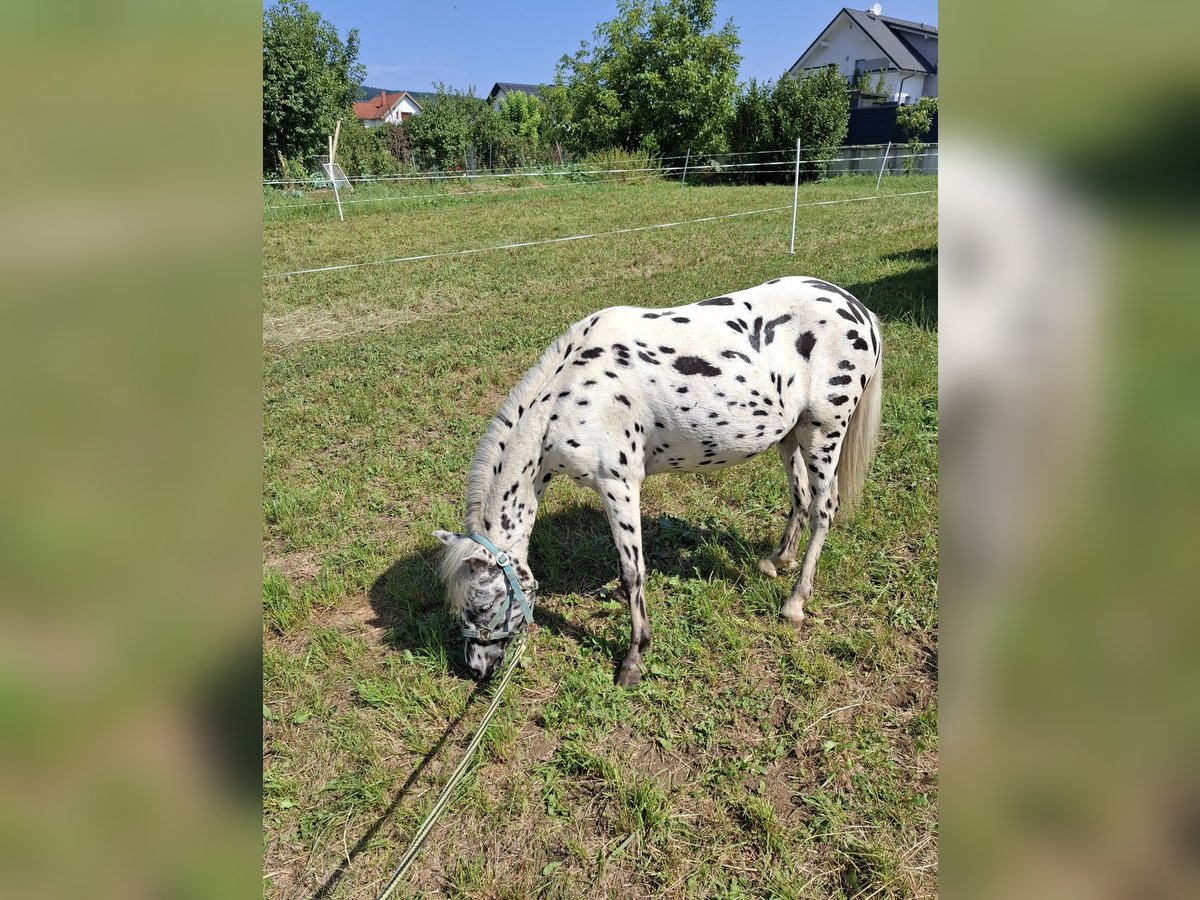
x,y
408,46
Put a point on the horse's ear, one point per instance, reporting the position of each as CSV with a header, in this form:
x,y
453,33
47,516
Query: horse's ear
x,y
446,537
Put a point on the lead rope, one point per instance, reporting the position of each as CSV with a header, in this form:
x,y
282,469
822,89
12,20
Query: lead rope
x,y
444,799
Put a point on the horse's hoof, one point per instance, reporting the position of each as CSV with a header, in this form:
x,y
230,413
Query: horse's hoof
x,y
792,615
797,622
772,566
628,676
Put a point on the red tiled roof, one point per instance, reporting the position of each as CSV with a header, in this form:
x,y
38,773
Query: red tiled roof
x,y
378,107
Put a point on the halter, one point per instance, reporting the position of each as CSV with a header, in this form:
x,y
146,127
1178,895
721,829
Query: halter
x,y
495,629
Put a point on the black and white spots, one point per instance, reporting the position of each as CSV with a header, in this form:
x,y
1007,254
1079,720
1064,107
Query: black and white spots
x,y
805,344
632,392
695,365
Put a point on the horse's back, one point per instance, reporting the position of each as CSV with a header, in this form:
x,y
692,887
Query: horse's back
x,y
713,383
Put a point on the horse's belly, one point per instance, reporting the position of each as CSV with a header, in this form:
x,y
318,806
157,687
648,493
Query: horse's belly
x,y
703,451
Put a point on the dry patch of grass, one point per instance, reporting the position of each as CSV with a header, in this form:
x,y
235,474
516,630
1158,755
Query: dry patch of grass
x,y
312,323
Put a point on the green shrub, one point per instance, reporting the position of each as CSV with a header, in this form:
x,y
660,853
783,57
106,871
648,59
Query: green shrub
x,y
915,119
751,128
630,166
770,116
293,168
364,151
444,128
520,115
815,109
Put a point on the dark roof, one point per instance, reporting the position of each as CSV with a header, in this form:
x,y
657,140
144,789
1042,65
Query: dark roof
x,y
915,26
509,86
888,35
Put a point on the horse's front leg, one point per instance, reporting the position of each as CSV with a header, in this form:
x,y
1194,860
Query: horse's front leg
x,y
623,504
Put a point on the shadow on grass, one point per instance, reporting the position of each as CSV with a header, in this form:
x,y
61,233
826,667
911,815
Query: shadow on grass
x,y
910,296
571,552
336,876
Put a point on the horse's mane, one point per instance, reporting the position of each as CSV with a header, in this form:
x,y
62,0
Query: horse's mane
x,y
479,482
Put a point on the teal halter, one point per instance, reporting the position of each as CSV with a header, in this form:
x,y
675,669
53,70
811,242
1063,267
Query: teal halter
x,y
495,629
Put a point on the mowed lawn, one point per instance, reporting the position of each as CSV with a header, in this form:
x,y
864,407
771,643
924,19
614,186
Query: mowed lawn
x,y
752,760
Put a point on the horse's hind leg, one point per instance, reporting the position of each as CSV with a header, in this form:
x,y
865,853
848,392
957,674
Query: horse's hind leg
x,y
822,453
784,557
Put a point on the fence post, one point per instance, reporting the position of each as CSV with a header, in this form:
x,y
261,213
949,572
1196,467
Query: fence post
x,y
879,180
333,177
795,200
686,160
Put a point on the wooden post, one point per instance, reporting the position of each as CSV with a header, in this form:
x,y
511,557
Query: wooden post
x,y
333,177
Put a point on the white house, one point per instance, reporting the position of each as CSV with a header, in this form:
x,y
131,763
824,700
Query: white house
x,y
857,41
393,107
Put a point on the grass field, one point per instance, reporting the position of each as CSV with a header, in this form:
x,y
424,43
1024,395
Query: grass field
x,y
752,760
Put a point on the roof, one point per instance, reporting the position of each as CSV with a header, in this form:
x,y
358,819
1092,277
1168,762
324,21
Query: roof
x,y
381,104
510,86
889,35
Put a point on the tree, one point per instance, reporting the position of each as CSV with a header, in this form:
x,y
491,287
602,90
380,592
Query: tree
x,y
750,128
445,127
364,151
310,79
814,108
658,78
916,119
521,116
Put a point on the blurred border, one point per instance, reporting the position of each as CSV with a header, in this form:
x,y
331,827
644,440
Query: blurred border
x,y
1069,439
130,477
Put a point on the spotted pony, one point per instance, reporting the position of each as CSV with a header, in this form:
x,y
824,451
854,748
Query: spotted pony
x,y
795,364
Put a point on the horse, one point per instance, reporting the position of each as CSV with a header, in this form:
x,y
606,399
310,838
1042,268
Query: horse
x,y
795,363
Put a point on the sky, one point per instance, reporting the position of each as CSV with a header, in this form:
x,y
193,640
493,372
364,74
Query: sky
x,y
465,43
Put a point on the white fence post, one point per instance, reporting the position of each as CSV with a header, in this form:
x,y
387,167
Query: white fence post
x,y
686,160
879,180
795,200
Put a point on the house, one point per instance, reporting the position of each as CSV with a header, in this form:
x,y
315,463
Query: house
x,y
502,88
393,107
867,41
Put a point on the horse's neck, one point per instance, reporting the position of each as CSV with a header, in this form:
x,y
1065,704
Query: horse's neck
x,y
512,497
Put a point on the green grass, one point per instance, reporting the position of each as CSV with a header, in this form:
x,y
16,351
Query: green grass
x,y
752,760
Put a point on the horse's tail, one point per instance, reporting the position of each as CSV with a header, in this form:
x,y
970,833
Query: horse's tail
x,y
862,437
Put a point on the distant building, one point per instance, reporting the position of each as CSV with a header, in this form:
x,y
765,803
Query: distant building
x,y
393,107
867,41
503,88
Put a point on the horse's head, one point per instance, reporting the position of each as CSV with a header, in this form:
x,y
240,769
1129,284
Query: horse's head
x,y
492,594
